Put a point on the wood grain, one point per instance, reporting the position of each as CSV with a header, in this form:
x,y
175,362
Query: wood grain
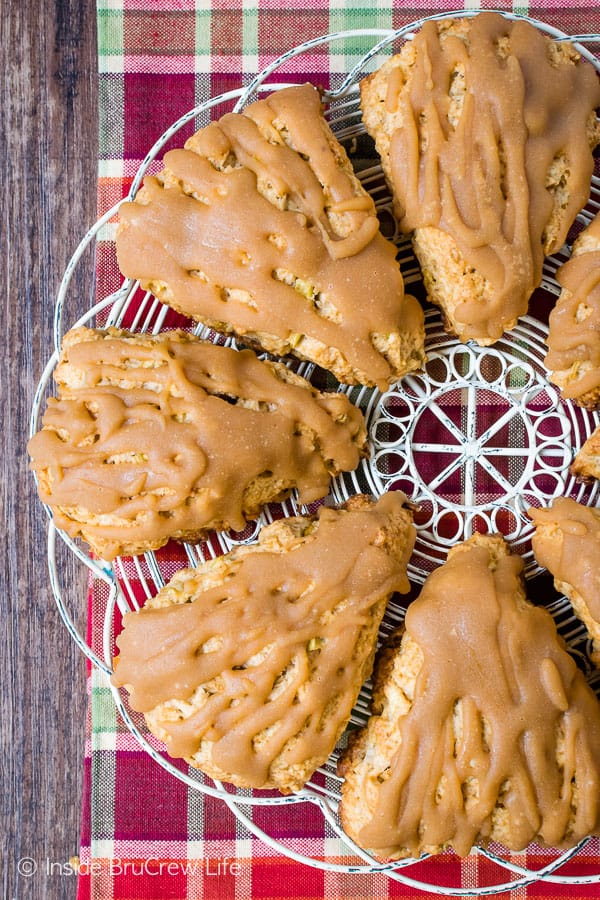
x,y
48,147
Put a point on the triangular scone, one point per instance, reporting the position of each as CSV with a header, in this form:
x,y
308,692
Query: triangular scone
x,y
250,665
483,726
165,436
485,129
567,543
586,464
574,326
259,227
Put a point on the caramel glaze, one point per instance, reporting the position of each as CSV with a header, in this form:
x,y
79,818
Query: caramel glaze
x,y
483,181
147,444
271,605
570,547
571,339
504,659
234,239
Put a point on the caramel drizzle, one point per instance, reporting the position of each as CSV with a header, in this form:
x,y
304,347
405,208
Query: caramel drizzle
x,y
504,661
570,548
290,171
149,436
290,654
212,235
571,339
483,181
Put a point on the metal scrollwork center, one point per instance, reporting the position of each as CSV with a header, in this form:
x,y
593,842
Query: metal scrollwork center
x,y
474,441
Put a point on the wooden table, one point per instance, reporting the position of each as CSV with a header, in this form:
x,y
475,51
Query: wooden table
x,y
48,145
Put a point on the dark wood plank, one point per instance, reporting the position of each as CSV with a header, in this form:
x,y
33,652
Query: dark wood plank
x,y
48,147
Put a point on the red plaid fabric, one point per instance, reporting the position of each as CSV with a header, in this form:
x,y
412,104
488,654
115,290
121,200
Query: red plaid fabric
x,y
145,834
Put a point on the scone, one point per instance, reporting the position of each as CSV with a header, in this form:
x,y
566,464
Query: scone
x,y
260,228
586,463
483,728
165,436
249,666
567,543
574,326
485,128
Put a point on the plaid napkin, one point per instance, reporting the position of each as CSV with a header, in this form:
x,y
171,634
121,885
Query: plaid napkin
x,y
145,834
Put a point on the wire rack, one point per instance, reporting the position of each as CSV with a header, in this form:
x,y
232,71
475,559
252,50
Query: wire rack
x,y
491,470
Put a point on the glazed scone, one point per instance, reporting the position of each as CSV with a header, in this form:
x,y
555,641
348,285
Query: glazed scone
x,y
485,128
567,543
249,666
260,228
483,728
165,436
586,464
574,325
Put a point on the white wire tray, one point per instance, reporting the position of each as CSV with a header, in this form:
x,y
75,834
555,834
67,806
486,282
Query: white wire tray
x,y
484,481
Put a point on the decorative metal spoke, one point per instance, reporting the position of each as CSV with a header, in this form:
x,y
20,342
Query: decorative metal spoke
x,y
479,475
